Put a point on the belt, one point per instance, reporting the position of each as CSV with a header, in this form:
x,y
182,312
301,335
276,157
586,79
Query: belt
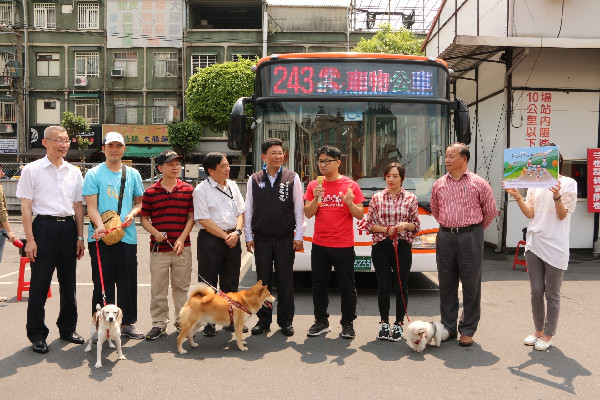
x,y
56,218
226,231
460,229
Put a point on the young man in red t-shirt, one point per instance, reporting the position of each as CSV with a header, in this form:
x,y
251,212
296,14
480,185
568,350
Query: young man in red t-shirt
x,y
168,215
333,239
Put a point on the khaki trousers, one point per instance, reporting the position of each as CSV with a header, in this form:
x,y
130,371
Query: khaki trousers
x,y
162,266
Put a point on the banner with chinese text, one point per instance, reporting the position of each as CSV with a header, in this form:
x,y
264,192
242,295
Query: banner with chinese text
x,y
149,135
593,180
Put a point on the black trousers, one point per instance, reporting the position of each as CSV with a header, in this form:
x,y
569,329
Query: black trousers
x,y
217,262
342,259
119,268
56,249
460,256
279,254
384,261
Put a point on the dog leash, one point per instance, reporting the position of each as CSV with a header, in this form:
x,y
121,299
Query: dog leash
x,y
395,244
100,265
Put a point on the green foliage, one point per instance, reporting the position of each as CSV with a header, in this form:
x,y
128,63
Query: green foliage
x,y
184,135
388,40
76,125
213,91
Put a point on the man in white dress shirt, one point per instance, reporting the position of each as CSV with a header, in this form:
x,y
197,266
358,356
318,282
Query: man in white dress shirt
x,y
52,210
219,214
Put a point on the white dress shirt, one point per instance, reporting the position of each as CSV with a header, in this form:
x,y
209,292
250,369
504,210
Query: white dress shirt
x,y
52,190
298,207
222,206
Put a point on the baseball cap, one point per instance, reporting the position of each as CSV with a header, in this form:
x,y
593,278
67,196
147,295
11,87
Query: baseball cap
x,y
167,156
113,137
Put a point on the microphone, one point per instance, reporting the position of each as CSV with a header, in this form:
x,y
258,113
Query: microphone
x,y
16,243
319,184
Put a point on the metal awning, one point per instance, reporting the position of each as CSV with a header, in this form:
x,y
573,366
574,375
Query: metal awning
x,y
468,52
132,150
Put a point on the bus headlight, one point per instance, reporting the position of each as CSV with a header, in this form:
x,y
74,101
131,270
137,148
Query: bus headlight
x,y
425,241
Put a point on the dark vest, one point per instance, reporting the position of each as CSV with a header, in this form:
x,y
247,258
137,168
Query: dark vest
x,y
273,207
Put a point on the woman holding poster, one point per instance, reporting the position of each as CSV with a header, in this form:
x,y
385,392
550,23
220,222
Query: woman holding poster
x,y
547,251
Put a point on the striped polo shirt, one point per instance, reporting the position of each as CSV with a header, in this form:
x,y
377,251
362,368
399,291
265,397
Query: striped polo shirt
x,y
168,211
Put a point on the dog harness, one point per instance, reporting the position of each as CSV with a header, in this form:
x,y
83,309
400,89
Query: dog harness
x,y
230,307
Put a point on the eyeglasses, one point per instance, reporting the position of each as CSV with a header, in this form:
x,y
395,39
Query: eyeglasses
x,y
60,141
325,162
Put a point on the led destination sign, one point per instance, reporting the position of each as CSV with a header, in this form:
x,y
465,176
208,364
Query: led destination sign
x,y
306,78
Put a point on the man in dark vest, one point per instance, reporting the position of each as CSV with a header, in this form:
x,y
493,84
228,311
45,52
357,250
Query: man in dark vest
x,y
274,225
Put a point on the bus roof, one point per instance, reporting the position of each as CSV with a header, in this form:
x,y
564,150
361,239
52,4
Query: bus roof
x,y
380,56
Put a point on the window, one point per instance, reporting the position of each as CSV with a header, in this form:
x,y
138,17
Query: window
x,y
7,13
165,65
89,109
128,62
47,111
7,111
47,64
237,57
126,111
88,16
5,56
49,105
200,61
87,64
160,111
44,15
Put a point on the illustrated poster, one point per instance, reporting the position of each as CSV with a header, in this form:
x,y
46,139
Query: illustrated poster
x,y
531,167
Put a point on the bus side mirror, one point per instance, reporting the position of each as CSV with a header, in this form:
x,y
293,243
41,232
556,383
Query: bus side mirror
x,y
462,125
237,125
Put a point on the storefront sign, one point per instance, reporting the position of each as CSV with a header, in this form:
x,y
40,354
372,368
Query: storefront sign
x,y
593,180
8,146
149,135
36,134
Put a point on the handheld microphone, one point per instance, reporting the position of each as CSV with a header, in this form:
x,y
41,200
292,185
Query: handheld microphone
x,y
319,184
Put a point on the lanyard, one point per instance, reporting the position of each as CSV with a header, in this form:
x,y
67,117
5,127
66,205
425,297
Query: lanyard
x,y
225,193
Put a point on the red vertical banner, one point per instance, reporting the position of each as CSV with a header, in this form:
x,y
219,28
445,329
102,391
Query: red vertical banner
x,y
593,180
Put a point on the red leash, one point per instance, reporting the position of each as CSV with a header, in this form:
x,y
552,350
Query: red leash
x,y
100,266
395,243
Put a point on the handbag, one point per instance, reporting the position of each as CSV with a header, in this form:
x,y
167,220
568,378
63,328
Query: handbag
x,y
112,219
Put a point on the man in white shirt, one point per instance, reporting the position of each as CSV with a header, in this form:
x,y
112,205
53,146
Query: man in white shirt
x,y
50,191
274,225
219,214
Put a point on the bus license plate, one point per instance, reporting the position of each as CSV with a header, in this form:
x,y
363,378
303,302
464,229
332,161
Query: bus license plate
x,y
362,263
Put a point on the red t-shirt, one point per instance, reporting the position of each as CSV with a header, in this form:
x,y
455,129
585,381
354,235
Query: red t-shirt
x,y
333,221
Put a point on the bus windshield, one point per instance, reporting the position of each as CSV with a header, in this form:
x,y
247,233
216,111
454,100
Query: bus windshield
x,y
369,134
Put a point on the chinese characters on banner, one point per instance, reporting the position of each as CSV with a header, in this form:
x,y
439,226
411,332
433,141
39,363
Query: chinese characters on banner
x,y
593,180
149,135
144,23
539,118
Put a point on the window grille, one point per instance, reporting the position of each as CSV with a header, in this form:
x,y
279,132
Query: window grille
x,y
200,61
160,111
125,111
89,109
87,64
8,111
44,15
7,13
127,61
88,16
165,65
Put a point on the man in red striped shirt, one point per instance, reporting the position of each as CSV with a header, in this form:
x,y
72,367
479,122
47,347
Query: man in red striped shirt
x,y
464,205
168,215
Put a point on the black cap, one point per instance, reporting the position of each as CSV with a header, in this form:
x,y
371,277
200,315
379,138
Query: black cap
x,y
167,156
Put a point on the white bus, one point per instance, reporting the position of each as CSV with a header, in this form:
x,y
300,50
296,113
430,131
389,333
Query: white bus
x,y
376,108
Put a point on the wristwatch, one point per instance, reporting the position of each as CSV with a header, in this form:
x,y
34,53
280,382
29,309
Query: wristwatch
x,y
239,232
80,238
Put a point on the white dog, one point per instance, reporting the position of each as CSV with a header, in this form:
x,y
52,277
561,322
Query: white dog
x,y
106,324
419,334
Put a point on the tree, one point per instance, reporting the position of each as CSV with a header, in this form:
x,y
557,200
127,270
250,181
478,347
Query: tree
x,y
213,91
389,40
184,135
75,126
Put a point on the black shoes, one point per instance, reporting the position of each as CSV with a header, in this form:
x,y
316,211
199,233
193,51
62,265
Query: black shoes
x,y
348,330
209,330
318,328
260,328
231,328
40,347
287,330
72,337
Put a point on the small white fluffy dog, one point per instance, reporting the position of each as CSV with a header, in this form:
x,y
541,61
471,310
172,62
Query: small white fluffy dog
x,y
420,333
106,323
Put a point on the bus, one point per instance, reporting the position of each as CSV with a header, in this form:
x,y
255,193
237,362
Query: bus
x,y
376,108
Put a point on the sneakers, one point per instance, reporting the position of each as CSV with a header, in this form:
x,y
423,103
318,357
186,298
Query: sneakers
x,y
530,340
177,327
384,331
231,328
397,333
132,332
318,328
155,333
542,345
209,330
348,330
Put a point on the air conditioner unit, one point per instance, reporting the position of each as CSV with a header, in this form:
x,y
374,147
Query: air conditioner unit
x,y
173,114
80,81
117,72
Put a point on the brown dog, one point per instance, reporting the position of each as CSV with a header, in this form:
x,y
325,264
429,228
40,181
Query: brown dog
x,y
205,306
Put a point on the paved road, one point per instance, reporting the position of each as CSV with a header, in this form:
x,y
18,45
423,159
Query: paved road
x,y
498,366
